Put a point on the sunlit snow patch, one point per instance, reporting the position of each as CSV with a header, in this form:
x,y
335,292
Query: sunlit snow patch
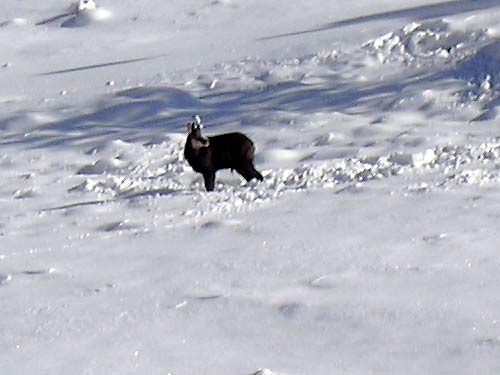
x,y
85,13
84,5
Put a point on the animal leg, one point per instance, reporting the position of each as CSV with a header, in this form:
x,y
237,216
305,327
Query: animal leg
x,y
249,172
209,178
257,174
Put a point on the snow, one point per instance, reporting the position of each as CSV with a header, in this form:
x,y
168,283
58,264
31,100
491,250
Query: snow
x,y
370,246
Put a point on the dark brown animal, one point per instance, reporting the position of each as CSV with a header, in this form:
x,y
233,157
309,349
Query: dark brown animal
x,y
207,155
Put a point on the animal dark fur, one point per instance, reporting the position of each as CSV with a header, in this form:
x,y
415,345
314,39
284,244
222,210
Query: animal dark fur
x,y
207,155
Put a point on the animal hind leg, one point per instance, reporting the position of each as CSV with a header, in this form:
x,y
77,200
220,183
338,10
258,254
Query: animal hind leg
x,y
249,172
256,173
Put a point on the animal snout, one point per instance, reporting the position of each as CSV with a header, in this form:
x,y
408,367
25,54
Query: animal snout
x,y
199,142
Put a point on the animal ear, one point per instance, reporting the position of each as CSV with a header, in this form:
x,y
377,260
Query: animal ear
x,y
190,127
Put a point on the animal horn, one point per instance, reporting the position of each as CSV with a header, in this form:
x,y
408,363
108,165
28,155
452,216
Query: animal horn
x,y
198,121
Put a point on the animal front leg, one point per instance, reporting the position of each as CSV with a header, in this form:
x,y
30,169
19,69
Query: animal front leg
x,y
209,180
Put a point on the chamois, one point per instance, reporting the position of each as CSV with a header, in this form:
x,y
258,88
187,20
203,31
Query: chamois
x,y
207,155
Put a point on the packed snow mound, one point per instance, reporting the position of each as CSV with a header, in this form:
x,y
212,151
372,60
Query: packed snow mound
x,y
423,43
86,12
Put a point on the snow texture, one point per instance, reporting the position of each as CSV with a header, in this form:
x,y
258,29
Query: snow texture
x,y
371,246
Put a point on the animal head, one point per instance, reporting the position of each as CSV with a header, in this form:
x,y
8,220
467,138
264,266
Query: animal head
x,y
195,136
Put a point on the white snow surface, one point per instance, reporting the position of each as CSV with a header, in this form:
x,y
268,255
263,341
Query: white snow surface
x,y
371,246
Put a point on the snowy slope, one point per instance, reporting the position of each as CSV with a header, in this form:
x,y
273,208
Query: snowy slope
x,y
370,246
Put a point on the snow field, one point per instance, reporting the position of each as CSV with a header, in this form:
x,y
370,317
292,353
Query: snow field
x,y
368,248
